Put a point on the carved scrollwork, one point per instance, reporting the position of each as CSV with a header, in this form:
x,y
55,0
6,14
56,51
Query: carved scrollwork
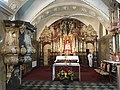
x,y
27,41
11,59
23,50
17,47
27,49
11,43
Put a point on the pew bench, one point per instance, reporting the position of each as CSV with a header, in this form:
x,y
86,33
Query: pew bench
x,y
104,69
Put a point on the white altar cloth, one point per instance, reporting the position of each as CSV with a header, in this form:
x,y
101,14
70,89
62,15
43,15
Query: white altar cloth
x,y
65,64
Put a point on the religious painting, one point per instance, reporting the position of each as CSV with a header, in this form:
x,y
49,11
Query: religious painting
x,y
67,45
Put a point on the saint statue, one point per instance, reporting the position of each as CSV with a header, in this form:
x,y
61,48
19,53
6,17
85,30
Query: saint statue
x,y
67,45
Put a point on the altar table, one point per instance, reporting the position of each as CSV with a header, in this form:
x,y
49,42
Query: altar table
x,y
66,58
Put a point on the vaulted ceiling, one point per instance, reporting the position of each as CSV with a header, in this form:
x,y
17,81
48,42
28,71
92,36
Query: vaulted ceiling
x,y
45,12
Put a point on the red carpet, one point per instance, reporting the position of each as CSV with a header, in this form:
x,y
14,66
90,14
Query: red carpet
x,y
45,73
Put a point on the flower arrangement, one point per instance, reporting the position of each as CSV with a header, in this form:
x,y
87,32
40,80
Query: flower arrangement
x,y
66,73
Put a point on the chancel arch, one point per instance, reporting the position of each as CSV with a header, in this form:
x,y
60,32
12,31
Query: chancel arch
x,y
68,36
65,28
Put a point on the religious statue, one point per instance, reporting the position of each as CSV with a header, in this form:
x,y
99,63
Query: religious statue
x,y
67,45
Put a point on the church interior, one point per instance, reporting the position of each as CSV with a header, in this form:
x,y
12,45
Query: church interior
x,y
59,45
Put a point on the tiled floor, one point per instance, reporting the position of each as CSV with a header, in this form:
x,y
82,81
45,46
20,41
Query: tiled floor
x,y
74,85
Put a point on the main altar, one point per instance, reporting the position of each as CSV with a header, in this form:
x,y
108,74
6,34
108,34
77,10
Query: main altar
x,y
66,37
69,61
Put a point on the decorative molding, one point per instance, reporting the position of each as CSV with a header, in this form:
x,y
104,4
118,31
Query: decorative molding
x,y
5,9
13,6
118,1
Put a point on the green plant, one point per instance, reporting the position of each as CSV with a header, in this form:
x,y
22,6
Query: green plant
x,y
66,73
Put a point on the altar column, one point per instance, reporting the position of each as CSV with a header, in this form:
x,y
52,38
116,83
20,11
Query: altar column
x,y
78,45
84,46
51,45
74,45
113,43
61,46
81,46
119,43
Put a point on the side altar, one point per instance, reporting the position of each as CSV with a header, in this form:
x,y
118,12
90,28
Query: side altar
x,y
65,61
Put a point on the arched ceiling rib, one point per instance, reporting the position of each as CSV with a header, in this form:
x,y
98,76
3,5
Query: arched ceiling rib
x,y
73,10
39,5
35,7
45,12
69,10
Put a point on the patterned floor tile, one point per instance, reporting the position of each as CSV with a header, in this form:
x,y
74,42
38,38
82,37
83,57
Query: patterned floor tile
x,y
57,85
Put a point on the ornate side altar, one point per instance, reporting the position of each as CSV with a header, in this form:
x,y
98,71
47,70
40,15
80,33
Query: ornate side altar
x,y
65,61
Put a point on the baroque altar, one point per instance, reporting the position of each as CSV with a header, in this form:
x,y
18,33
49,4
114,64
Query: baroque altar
x,y
67,37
